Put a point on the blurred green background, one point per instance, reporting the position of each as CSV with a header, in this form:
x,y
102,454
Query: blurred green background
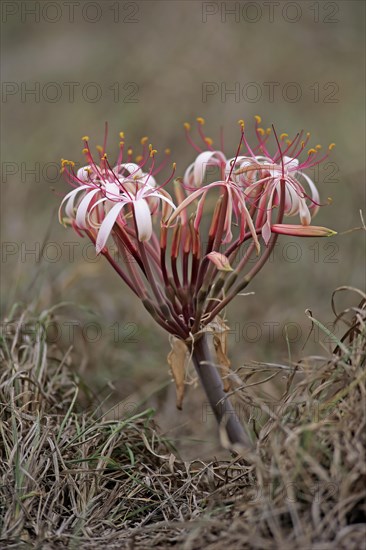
x,y
144,67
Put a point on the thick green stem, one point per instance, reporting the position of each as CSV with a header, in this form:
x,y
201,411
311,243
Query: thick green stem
x,y
212,383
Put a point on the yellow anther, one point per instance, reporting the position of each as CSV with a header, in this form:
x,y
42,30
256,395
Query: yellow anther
x,y
152,152
167,151
318,147
288,142
187,126
174,165
330,200
85,138
85,151
261,131
104,157
139,158
144,140
209,141
331,146
282,136
258,119
241,123
302,144
268,131
308,134
200,120
99,148
122,135
130,151
312,151
121,143
65,162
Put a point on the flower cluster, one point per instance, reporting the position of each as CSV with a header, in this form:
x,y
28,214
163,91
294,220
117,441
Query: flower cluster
x,y
187,257
184,270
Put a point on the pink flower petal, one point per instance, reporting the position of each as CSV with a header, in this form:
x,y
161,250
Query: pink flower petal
x,y
220,261
302,230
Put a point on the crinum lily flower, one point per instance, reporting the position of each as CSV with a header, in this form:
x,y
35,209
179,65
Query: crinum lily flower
x,y
261,175
184,271
193,180
104,191
136,193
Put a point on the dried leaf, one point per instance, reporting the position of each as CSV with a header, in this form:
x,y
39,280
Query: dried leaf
x,y
177,358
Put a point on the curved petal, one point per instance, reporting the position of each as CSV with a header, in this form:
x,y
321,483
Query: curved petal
x,y
240,162
305,216
70,200
107,226
246,218
147,180
205,159
163,198
183,205
83,173
82,209
130,167
266,228
112,191
192,197
290,163
314,192
143,219
188,176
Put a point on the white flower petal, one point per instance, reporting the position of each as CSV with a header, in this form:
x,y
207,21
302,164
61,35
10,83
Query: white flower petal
x,y
147,180
290,163
314,192
69,199
205,159
112,191
83,173
130,167
188,176
82,209
163,198
107,226
143,219
305,216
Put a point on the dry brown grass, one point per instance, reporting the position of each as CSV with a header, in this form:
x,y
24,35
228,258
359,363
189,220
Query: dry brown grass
x,y
71,478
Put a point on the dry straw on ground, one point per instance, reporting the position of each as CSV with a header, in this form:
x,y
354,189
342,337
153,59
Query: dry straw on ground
x,y
73,479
